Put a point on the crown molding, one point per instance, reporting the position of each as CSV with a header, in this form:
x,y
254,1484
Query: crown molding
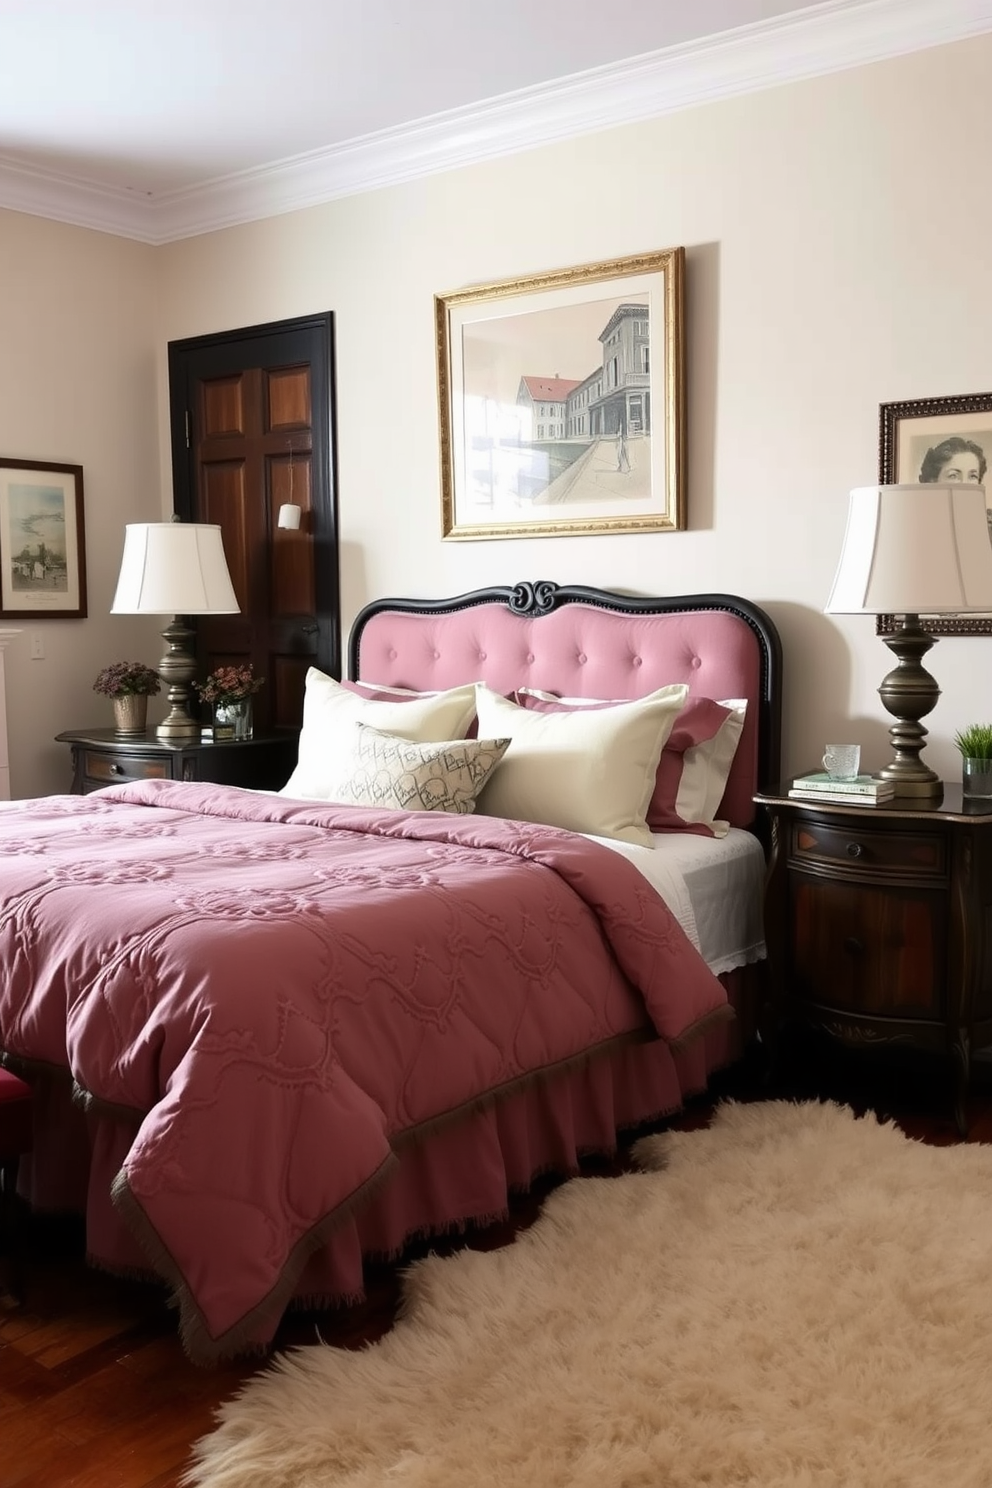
x,y
803,44
42,193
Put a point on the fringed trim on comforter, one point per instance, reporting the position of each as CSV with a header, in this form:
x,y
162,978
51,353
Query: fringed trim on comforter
x,y
567,1066
200,1344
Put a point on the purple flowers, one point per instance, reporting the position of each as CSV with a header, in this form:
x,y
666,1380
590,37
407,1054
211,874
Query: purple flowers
x,y
125,678
229,684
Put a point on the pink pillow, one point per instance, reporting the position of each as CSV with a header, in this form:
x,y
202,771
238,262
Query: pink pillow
x,y
695,762
694,767
377,694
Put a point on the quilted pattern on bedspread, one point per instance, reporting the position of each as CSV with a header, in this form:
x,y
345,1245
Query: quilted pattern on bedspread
x,y
285,991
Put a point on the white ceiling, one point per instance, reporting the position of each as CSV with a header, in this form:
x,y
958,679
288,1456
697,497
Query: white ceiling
x,y
157,120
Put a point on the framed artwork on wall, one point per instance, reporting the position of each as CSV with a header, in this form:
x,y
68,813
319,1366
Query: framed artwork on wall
x,y
937,439
42,545
561,401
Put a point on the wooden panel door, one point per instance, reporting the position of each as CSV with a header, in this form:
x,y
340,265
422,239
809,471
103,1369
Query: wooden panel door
x,y
252,428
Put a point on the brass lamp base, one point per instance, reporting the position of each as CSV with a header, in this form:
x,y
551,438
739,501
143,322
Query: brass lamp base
x,y
177,728
909,693
177,669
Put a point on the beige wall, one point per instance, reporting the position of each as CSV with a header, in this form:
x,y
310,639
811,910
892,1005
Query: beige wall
x,y
77,386
837,239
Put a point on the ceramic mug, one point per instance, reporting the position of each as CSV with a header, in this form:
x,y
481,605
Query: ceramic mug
x,y
842,761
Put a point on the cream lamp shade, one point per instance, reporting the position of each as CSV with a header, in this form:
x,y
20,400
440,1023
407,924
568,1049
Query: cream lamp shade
x,y
175,568
920,550
912,550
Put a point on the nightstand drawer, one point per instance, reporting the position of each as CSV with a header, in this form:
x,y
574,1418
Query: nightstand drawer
x,y
870,949
104,769
860,849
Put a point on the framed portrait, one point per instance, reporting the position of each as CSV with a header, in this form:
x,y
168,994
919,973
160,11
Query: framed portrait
x,y
938,439
561,401
42,547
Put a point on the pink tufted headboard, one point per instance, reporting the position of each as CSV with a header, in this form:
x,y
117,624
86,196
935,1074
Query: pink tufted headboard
x,y
583,642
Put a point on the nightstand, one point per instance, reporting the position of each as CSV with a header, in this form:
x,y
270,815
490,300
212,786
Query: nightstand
x,y
102,757
878,921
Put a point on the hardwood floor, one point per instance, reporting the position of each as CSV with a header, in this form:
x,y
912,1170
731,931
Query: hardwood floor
x,y
95,1391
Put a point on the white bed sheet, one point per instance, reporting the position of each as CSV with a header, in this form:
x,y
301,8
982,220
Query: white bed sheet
x,y
713,885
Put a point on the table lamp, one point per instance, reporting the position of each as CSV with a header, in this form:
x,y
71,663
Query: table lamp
x,y
912,550
175,568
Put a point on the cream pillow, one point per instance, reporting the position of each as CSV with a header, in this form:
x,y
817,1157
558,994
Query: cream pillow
x,y
332,713
695,763
387,771
592,770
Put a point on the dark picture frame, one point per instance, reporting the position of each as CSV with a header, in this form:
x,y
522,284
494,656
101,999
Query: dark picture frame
x,y
561,401
910,434
42,541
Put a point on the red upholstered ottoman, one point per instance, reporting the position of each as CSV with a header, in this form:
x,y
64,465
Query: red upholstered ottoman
x,y
15,1139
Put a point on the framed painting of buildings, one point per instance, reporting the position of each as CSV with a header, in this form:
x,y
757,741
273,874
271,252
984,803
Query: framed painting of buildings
x,y
561,401
938,439
42,547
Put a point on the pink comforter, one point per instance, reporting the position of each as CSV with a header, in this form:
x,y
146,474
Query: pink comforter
x,y
285,992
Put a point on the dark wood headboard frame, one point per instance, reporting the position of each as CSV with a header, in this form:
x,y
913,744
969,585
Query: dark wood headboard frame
x,y
543,596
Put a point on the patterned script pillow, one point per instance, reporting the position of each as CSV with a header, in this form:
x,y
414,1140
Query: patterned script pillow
x,y
387,771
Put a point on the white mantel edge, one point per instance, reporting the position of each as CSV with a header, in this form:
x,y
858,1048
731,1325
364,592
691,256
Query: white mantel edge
x,y
6,636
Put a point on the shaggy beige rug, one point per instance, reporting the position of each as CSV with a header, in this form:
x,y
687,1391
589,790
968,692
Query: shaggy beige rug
x,y
792,1298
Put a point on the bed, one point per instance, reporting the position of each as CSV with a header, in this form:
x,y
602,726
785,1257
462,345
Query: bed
x,y
272,1035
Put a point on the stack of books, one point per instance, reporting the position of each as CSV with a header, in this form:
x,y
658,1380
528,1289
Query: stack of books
x,y
863,790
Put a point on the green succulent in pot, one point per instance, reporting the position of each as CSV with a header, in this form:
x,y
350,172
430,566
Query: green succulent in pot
x,y
975,742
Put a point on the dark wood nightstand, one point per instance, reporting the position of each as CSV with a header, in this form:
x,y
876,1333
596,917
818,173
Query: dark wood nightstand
x,y
102,757
878,921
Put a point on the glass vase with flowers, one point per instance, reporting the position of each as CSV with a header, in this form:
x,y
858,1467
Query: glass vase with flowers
x,y
229,691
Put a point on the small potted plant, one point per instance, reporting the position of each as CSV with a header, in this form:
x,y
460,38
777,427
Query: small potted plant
x,y
229,691
975,745
129,684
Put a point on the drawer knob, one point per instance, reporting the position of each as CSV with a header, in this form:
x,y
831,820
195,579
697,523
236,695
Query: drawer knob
x,y
116,769
853,945
854,849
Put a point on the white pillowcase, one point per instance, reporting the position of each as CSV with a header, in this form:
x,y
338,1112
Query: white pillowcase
x,y
589,771
706,770
332,713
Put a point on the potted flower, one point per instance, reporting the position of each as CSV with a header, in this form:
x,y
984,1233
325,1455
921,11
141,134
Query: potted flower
x,y
129,684
229,691
975,745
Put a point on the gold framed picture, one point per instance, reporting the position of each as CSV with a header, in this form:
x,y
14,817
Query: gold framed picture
x,y
561,401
